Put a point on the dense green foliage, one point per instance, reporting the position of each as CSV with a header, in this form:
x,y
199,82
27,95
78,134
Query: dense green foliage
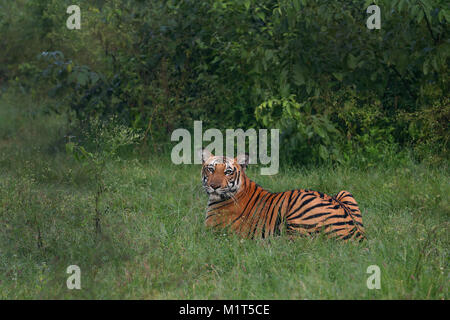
x,y
153,243
312,68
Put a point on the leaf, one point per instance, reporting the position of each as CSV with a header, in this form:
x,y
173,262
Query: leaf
x,y
323,152
425,67
318,130
435,64
351,61
261,15
296,4
82,78
299,78
338,75
268,54
284,90
247,4
441,16
94,77
86,153
420,16
309,87
69,147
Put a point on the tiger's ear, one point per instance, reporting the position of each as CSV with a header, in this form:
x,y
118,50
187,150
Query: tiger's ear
x,y
205,154
242,160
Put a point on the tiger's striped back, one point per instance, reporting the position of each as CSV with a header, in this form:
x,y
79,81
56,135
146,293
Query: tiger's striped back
x,y
337,216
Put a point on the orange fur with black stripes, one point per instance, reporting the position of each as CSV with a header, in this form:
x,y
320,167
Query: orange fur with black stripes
x,y
238,203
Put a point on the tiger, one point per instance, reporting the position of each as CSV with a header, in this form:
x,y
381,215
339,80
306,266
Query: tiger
x,y
238,203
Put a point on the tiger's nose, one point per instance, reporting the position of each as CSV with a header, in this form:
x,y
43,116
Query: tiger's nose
x,y
214,186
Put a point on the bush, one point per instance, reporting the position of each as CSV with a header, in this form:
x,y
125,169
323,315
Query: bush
x,y
160,65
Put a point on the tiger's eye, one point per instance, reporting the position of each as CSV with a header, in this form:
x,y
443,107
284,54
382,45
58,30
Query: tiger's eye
x,y
228,171
211,169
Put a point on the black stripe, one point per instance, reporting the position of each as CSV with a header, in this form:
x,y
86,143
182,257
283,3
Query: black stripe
x,y
351,234
211,215
343,216
238,178
228,201
321,204
290,197
258,212
213,203
317,215
303,226
278,220
243,211
303,194
307,194
265,219
304,203
273,209
334,231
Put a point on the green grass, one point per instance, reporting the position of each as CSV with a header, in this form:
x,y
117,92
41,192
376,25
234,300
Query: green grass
x,y
154,245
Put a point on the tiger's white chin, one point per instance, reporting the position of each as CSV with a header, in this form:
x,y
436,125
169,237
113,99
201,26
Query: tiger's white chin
x,y
216,196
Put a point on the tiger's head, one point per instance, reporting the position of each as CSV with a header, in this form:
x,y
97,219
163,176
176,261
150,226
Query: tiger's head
x,y
222,176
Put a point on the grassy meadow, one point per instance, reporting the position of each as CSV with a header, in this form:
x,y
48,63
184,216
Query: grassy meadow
x,y
153,243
